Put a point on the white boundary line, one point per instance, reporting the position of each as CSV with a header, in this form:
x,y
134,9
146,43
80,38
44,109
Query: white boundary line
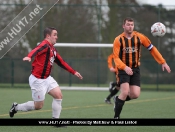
x,y
103,45
86,88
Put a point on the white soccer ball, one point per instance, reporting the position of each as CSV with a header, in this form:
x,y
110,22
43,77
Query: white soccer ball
x,y
158,29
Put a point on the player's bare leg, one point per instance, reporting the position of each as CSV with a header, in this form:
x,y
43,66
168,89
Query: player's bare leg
x,y
134,92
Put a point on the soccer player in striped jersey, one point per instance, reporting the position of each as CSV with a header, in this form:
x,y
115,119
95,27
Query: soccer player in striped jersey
x,y
113,88
127,50
40,80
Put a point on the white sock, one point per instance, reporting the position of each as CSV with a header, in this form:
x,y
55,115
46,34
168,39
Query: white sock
x,y
56,108
28,106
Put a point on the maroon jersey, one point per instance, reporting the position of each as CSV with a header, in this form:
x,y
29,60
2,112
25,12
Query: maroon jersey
x,y
45,54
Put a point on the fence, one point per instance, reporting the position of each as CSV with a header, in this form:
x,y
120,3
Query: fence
x,y
15,73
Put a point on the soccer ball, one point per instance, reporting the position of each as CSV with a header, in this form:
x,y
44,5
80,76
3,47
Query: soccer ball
x,y
158,29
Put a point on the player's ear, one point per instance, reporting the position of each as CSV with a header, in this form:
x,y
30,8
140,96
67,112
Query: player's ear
x,y
47,36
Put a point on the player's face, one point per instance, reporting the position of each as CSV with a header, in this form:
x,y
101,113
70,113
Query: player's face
x,y
53,37
128,27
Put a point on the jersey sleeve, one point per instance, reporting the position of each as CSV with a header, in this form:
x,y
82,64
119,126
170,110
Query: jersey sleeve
x,y
157,56
60,62
110,57
145,41
116,50
153,50
38,50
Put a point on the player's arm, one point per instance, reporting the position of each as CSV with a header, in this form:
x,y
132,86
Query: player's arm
x,y
78,75
27,59
153,50
117,60
38,50
155,53
60,62
110,66
158,57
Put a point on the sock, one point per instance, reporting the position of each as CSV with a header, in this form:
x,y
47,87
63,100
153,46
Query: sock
x,y
118,107
28,106
112,93
114,84
56,108
128,98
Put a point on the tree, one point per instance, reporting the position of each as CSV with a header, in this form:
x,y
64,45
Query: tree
x,y
75,24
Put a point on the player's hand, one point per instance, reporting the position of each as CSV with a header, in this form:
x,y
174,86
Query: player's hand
x,y
78,75
27,59
165,66
112,69
128,70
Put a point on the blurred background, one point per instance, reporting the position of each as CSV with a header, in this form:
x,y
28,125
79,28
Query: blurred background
x,y
91,21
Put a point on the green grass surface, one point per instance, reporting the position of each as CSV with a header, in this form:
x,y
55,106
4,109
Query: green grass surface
x,y
90,104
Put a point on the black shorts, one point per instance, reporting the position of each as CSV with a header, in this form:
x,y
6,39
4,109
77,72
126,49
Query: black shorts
x,y
132,80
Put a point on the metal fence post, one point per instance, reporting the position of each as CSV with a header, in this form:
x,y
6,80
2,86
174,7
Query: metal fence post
x,y
12,73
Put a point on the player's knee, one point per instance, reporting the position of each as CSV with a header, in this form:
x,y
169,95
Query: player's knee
x,y
134,96
56,93
38,106
59,96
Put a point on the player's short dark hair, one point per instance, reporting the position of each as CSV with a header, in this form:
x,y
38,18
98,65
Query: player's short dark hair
x,y
128,19
48,30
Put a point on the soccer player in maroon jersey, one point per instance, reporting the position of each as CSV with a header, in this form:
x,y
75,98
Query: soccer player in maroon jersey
x,y
40,80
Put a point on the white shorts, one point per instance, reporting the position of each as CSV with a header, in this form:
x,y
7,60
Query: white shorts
x,y
40,87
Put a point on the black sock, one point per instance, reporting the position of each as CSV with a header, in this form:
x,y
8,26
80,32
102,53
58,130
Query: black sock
x,y
118,107
128,98
112,93
114,84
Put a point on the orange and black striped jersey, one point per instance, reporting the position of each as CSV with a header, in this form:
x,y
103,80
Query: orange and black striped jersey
x,y
127,51
110,62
